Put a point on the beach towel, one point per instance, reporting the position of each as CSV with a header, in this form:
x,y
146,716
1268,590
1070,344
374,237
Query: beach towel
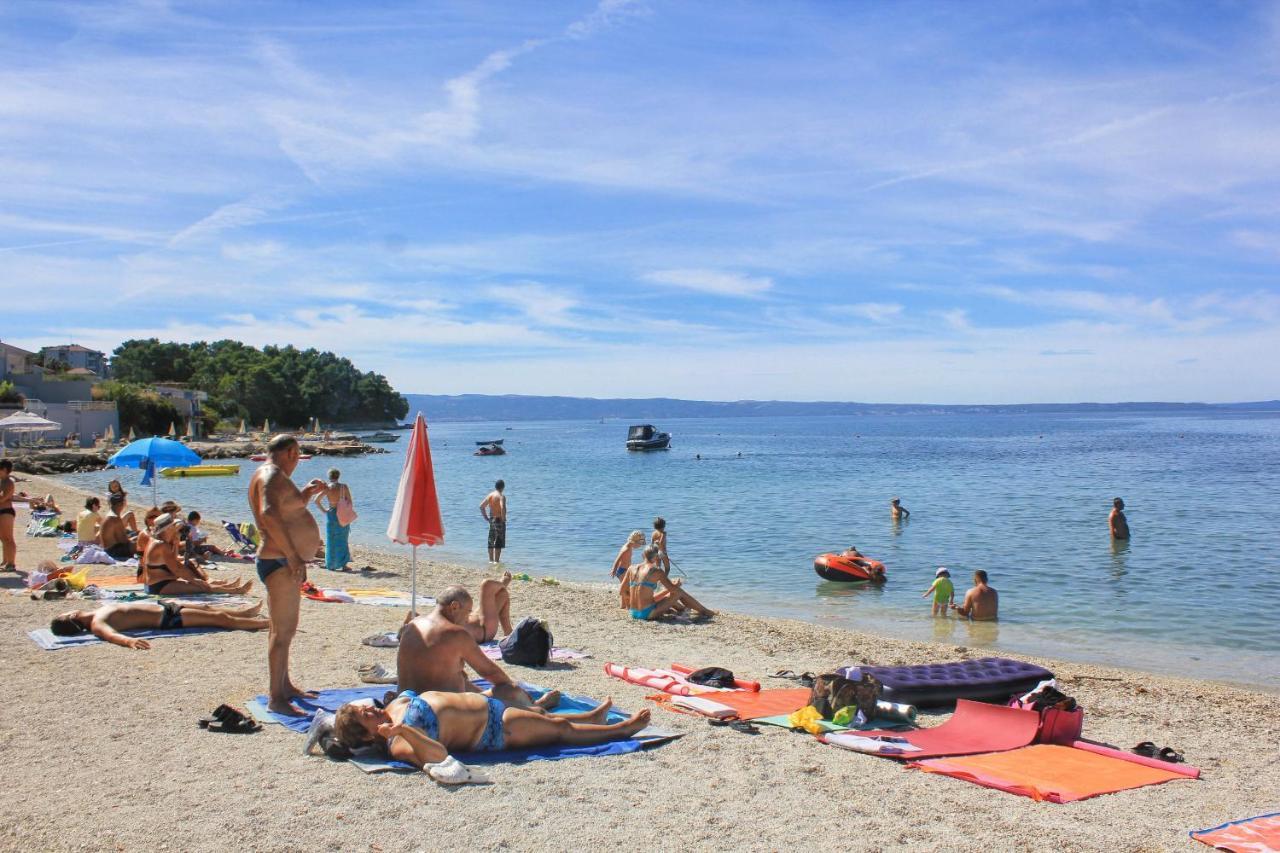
x,y
370,596
331,700
1048,772
47,640
878,724
975,727
492,652
750,704
1259,834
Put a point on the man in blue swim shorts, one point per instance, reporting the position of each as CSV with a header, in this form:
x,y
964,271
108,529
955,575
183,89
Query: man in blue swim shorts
x,y
290,538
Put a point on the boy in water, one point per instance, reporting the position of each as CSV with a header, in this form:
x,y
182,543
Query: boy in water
x,y
1118,524
942,590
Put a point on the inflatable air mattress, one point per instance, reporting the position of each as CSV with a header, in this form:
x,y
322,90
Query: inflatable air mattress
x,y
932,684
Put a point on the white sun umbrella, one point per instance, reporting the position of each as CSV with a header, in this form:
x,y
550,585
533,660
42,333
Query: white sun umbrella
x,y
243,431
191,428
173,430
26,422
131,433
109,435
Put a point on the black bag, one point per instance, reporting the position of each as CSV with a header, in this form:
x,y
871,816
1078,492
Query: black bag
x,y
528,644
712,676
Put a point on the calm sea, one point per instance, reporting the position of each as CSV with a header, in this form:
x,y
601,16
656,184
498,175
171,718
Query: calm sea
x,y
1195,592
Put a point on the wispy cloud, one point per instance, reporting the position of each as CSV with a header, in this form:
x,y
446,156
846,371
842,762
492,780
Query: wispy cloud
x,y
717,282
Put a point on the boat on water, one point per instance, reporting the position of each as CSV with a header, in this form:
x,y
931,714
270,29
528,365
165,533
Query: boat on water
x,y
492,448
262,457
849,568
647,437
380,438
496,441
202,471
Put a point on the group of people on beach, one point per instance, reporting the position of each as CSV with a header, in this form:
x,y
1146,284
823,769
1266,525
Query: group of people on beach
x,y
638,588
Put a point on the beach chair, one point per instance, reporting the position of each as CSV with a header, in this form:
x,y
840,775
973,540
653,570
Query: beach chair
x,y
244,535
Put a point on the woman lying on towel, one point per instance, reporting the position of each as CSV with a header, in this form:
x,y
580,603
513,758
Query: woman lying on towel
x,y
165,573
422,729
646,602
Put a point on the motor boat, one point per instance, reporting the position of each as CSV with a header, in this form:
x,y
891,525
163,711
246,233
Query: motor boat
x,y
380,438
647,437
849,567
202,471
493,448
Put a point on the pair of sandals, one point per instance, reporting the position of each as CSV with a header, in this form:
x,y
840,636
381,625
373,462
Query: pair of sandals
x,y
743,726
1147,749
54,589
230,720
805,679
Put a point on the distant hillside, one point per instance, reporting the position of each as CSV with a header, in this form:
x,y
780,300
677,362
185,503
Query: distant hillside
x,y
516,407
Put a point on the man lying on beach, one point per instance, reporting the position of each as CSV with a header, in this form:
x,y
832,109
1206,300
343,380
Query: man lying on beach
x,y
436,648
649,604
980,603
107,622
164,572
423,728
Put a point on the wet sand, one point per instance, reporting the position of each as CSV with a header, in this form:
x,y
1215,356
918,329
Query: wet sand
x,y
105,752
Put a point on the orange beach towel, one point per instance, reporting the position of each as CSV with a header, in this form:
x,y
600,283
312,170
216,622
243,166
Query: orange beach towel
x,y
751,704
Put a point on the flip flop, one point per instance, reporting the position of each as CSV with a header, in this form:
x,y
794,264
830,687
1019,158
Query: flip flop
x,y
744,726
1169,754
1147,749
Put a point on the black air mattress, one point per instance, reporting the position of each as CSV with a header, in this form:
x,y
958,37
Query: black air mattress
x,y
984,679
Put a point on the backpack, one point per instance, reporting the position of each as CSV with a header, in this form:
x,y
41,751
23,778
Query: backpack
x,y
831,692
528,644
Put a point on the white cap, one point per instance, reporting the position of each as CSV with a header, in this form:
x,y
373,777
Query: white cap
x,y
941,571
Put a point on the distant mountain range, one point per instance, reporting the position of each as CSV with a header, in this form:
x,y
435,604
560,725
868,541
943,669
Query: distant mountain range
x,y
517,407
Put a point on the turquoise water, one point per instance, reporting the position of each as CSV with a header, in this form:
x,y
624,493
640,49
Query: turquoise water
x,y
1026,497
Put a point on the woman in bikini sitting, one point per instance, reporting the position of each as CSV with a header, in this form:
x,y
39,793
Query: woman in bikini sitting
x,y
165,574
130,520
647,603
7,517
422,729
622,563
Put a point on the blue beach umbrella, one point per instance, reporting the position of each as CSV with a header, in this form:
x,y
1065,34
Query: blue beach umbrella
x,y
152,453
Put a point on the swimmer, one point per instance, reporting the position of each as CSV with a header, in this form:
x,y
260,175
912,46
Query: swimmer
x,y
1116,521
981,603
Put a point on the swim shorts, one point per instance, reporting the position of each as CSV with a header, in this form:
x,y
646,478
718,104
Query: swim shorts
x,y
492,739
497,533
172,616
267,565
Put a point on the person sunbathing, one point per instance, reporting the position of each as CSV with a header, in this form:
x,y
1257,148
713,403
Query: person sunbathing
x,y
164,573
647,603
495,610
44,504
423,728
436,648
107,622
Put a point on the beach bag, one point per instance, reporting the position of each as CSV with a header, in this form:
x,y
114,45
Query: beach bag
x,y
713,676
831,692
529,644
1061,721
346,511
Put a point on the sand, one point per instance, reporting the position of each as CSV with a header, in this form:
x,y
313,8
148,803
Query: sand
x,y
103,749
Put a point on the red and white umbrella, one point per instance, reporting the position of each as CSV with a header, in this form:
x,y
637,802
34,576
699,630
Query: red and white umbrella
x,y
415,519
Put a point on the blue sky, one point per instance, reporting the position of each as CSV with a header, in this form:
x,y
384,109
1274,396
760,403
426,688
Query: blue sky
x,y
898,202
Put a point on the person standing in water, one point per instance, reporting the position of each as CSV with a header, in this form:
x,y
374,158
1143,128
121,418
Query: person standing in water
x,y
339,511
289,538
1118,524
493,509
942,590
982,603
898,511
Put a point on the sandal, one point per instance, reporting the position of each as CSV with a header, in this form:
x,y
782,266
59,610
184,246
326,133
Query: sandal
x,y
1169,754
747,728
1147,749
805,678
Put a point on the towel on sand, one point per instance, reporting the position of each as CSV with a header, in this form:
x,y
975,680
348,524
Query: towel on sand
x,y
331,700
1048,772
1259,834
751,704
47,640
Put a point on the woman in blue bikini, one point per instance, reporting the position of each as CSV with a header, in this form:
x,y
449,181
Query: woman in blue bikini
x,y
647,603
423,728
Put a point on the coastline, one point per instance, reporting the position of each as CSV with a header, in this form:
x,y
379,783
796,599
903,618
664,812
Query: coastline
x,y
109,713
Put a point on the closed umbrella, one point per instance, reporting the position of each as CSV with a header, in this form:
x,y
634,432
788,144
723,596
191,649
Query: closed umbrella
x,y
266,426
131,435
415,519
243,431
173,430
153,453
191,428
26,422
109,435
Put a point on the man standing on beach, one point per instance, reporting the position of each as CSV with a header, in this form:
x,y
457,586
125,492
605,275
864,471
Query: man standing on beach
x,y
290,537
1117,522
980,603
493,509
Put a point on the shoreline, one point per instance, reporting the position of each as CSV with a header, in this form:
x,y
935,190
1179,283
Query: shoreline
x,y
133,715
388,551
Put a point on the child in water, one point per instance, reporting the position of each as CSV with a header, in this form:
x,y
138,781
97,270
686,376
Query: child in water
x,y
942,590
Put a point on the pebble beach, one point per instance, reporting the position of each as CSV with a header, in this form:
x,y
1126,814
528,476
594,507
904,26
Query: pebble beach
x,y
105,754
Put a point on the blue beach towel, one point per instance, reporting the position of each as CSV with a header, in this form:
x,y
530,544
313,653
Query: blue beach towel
x,y
47,640
331,700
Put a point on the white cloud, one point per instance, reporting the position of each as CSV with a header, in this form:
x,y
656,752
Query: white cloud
x,y
715,282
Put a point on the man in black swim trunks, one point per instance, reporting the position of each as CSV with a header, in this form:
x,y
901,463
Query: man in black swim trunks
x,y
494,510
107,622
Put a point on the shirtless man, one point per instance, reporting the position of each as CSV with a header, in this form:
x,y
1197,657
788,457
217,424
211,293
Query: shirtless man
x,y
1118,524
495,610
435,648
107,622
898,511
289,539
494,510
980,603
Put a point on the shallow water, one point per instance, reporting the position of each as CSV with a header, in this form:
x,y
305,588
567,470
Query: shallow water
x,y
1195,592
